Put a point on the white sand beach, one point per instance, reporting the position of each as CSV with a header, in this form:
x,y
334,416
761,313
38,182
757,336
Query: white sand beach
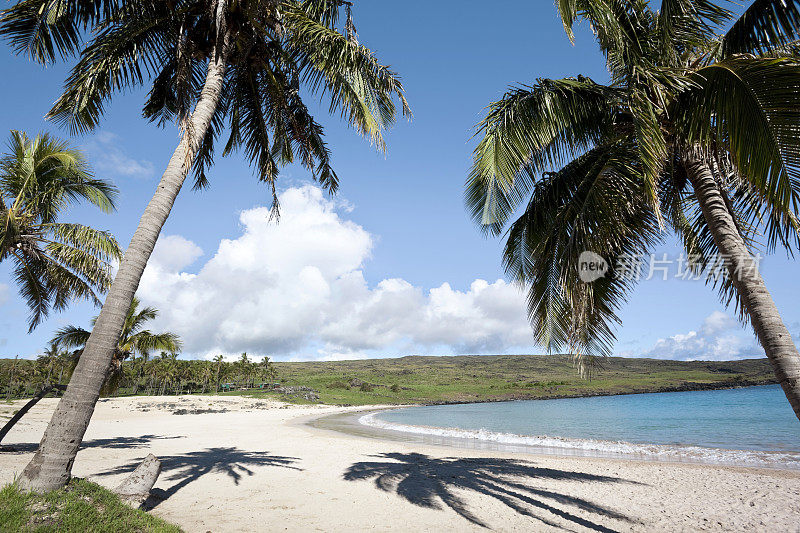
x,y
252,465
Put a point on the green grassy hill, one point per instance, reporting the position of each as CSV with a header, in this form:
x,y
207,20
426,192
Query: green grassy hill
x,y
419,379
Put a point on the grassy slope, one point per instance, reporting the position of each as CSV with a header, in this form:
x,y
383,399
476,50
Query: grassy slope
x,y
81,507
492,378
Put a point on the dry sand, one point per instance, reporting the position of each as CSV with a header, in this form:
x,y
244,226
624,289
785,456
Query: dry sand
x,y
256,467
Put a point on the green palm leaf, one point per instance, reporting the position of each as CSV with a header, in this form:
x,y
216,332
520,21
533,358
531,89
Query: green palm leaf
x,y
71,337
570,212
360,88
536,127
765,26
120,56
54,262
45,29
750,107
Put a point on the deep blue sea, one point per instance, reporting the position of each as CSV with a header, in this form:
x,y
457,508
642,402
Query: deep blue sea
x,y
753,425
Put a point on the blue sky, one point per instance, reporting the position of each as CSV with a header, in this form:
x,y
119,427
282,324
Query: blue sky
x,y
393,262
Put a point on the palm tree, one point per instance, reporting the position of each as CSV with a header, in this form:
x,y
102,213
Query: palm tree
x,y
168,363
152,369
697,133
219,359
204,374
133,341
11,378
53,356
54,262
266,370
241,66
244,369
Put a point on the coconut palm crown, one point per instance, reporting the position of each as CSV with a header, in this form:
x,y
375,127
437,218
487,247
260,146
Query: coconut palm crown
x,y
54,262
277,49
697,133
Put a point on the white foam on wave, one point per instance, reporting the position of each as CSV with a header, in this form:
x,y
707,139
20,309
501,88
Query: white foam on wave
x,y
571,446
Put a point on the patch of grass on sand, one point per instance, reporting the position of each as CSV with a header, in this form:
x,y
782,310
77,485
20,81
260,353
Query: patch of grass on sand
x,y
417,379
80,507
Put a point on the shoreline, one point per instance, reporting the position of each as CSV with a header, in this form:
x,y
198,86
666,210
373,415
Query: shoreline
x,y
242,464
350,423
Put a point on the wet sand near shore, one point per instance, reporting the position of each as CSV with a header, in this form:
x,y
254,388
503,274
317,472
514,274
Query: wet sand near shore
x,y
351,423
239,464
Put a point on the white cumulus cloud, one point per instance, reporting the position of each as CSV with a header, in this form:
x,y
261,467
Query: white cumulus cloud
x,y
719,338
296,289
109,158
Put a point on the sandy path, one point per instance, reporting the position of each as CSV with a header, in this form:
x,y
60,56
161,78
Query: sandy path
x,y
255,468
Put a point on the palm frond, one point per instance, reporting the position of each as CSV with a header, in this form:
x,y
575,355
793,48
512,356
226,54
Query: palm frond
x,y
360,88
101,245
602,15
651,143
30,276
47,29
538,128
765,26
749,108
137,318
146,342
66,286
120,56
253,126
85,265
685,24
71,337
594,204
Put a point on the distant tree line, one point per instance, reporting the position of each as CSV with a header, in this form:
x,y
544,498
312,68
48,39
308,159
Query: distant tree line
x,y
161,375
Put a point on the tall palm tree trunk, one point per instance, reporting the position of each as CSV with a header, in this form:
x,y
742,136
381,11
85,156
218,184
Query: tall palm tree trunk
x,y
743,269
51,465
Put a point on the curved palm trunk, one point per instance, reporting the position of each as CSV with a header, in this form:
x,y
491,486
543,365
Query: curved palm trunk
x,y
756,299
51,466
27,407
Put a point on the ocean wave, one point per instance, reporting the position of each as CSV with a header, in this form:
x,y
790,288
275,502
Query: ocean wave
x,y
604,448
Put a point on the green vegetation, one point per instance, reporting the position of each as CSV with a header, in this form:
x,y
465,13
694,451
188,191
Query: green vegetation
x,y
80,507
413,379
164,374
490,378
133,341
53,263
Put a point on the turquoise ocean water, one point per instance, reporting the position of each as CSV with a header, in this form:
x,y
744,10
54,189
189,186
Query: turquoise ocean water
x,y
749,426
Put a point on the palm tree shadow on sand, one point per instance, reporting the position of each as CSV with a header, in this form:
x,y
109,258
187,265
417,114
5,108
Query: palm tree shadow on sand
x,y
189,467
431,482
140,441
